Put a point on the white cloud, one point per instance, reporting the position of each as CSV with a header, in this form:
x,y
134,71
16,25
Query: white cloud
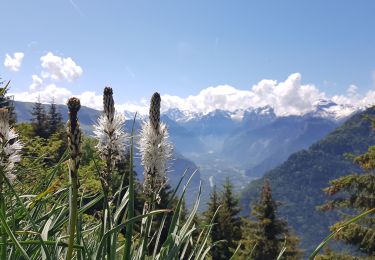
x,y
91,99
289,97
14,63
36,84
49,92
58,68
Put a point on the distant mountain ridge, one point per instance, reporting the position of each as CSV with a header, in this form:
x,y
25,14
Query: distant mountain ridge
x,y
322,108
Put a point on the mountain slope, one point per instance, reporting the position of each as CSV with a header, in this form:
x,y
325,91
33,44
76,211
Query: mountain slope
x,y
262,148
298,182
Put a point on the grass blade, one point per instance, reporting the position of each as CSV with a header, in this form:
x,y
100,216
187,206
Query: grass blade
x,y
13,237
329,237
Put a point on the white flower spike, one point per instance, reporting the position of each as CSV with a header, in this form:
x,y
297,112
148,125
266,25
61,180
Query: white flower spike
x,y
156,150
11,146
109,131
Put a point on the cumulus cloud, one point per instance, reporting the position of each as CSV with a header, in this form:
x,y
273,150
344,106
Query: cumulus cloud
x,y
14,63
288,97
58,68
91,99
46,94
36,84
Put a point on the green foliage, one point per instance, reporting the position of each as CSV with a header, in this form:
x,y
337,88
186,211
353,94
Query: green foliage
x,y
210,215
331,255
34,225
227,222
354,194
299,181
266,237
47,123
7,102
39,120
54,120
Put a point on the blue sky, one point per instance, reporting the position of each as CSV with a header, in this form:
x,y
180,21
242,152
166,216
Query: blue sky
x,y
182,47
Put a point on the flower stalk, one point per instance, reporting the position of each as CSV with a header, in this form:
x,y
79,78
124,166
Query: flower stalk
x,y
155,150
9,155
130,210
111,137
111,147
74,144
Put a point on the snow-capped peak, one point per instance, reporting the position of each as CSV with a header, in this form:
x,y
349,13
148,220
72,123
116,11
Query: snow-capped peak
x,y
323,108
331,110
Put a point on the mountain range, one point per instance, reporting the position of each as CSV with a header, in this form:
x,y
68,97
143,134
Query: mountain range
x,y
240,144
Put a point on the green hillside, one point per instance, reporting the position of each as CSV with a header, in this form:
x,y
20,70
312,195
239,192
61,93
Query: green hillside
x,y
298,182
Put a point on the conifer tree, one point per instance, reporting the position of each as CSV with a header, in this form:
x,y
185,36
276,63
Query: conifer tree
x,y
266,237
229,219
227,227
7,102
354,194
209,215
54,119
39,120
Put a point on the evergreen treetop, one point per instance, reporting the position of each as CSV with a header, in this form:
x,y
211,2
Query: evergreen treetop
x,y
39,119
354,194
266,237
6,101
54,119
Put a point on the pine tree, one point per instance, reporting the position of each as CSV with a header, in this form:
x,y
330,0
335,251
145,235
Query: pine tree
x,y
54,119
39,120
229,219
7,102
354,194
266,237
227,227
210,216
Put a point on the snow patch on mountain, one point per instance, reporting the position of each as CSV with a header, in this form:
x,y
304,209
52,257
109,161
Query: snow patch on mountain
x,y
330,110
322,108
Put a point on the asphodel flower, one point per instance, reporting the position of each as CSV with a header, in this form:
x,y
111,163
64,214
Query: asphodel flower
x,y
155,149
11,146
109,131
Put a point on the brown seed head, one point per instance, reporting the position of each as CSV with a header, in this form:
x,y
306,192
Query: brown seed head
x,y
155,110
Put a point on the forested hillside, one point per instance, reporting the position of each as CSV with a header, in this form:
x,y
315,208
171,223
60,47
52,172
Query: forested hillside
x,y
298,182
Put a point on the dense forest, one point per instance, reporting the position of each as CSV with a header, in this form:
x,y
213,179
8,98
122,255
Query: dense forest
x,y
66,195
